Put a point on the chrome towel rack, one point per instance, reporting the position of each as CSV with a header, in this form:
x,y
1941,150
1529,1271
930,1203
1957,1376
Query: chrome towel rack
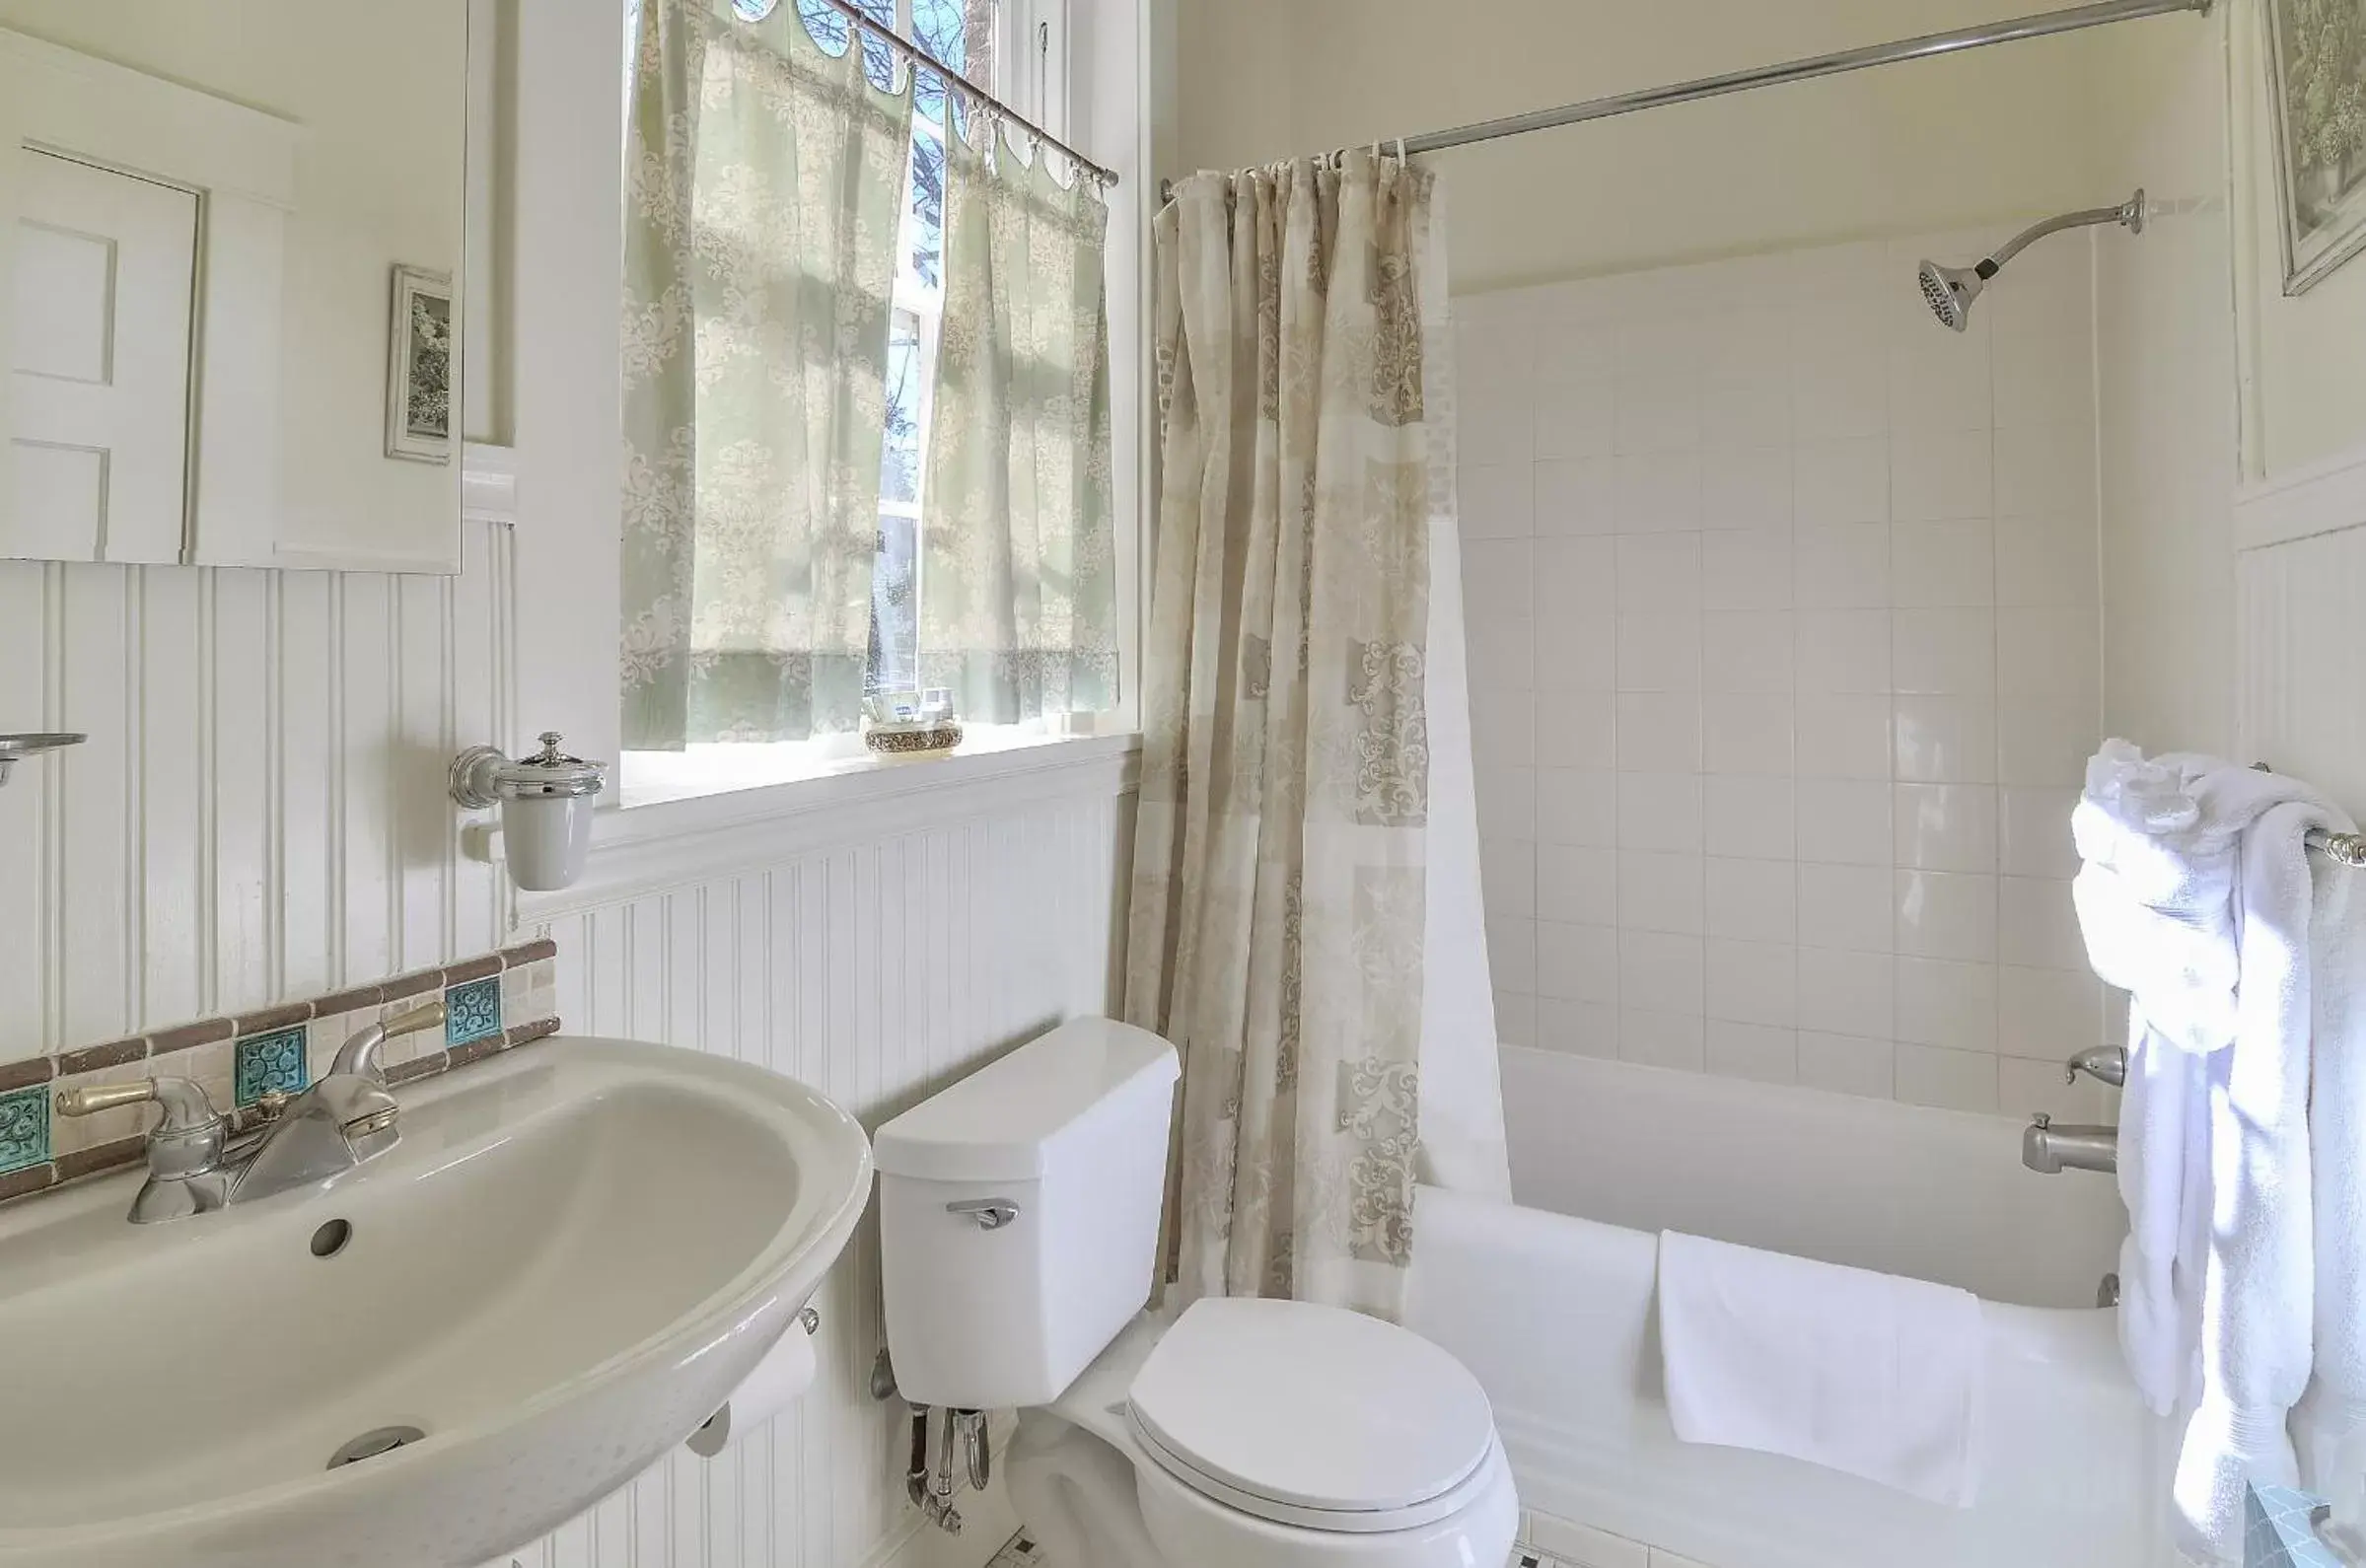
x,y
2343,849
2348,850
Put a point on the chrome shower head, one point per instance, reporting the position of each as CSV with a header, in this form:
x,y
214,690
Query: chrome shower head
x,y
1950,291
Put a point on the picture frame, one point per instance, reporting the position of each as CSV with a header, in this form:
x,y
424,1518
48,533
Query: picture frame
x,y
420,355
2317,65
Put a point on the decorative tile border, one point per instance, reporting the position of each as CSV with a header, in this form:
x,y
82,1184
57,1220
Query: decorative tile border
x,y
269,1064
492,1004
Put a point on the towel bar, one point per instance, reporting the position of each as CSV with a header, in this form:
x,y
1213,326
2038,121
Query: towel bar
x,y
2346,849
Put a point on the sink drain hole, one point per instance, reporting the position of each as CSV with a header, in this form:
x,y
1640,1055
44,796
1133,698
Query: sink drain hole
x,y
330,1238
370,1444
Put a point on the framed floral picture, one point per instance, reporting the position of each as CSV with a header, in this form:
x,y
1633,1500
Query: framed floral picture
x,y
419,390
2318,57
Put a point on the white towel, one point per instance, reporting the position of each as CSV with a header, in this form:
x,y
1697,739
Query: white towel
x,y
2199,897
1869,1374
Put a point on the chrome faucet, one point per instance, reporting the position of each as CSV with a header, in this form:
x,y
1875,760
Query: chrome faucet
x,y
346,1119
2050,1150
2106,1064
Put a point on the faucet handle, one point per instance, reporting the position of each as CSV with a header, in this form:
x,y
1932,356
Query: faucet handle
x,y
359,1055
2106,1064
187,1105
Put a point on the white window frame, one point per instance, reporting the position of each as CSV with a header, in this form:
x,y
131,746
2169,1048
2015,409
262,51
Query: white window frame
x,y
1036,32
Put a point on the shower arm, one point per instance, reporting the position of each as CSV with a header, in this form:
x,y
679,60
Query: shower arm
x,y
2129,213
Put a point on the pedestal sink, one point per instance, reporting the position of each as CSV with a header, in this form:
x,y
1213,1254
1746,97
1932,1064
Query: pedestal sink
x,y
573,1257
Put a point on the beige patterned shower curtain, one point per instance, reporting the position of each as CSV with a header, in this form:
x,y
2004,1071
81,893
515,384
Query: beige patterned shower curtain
x,y
1282,851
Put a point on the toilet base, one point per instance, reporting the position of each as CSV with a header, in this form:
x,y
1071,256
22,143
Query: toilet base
x,y
1094,1502
1075,1496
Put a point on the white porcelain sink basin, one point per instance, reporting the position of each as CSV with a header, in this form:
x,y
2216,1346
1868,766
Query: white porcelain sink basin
x,y
573,1257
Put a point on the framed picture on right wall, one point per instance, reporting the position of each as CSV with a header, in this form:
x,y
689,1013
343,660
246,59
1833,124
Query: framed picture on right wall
x,y
2317,59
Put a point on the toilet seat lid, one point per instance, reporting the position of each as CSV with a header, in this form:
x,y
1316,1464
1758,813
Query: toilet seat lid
x,y
1316,1411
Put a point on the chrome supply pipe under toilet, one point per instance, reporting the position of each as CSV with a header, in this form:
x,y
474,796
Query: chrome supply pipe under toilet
x,y
931,1484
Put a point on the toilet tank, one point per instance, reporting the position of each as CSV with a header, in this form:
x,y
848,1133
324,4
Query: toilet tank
x,y
1019,1215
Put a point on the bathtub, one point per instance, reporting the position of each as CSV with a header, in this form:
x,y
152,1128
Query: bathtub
x,y
1549,1303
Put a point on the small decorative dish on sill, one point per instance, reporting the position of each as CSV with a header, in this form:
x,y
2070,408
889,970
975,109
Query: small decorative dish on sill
x,y
911,724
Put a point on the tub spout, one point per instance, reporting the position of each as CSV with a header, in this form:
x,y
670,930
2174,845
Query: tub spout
x,y
2050,1150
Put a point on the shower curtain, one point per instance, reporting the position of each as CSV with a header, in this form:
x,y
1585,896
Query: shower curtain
x,y
1305,915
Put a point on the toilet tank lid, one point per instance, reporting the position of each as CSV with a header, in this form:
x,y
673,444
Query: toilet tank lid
x,y
998,1123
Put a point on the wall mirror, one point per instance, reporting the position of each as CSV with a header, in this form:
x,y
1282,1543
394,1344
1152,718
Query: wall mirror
x,y
230,235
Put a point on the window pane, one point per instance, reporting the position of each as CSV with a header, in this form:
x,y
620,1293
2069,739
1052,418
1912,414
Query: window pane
x,y
830,28
928,208
961,32
895,662
939,27
900,458
824,21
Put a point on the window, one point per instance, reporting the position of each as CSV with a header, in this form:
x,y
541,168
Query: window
x,y
1013,49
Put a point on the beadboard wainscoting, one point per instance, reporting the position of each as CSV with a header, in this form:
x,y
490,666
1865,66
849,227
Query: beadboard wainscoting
x,y
260,811
2300,574
876,965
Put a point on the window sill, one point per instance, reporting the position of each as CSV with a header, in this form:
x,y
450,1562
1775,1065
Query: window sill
x,y
667,835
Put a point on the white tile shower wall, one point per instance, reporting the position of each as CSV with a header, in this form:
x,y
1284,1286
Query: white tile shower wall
x,y
1785,660
875,971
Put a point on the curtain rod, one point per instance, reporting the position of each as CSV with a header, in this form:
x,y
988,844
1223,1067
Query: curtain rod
x,y
1928,46
954,82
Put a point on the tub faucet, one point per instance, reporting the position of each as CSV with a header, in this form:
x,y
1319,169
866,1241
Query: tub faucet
x,y
2106,1064
2050,1150
194,1167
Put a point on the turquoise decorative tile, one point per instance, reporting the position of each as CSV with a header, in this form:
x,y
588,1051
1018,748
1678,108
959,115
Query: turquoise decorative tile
x,y
472,1012
271,1063
23,1130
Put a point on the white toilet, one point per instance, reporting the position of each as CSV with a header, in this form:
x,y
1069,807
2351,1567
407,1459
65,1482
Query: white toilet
x,y
1019,1238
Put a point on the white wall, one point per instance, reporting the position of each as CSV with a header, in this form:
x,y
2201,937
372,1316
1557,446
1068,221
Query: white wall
x,y
1785,660
1984,136
2165,341
2304,375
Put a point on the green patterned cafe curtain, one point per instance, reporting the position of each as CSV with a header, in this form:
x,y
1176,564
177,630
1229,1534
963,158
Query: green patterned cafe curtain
x,y
1018,570
764,182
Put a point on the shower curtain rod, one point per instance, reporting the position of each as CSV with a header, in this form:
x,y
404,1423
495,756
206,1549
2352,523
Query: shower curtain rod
x,y
1928,46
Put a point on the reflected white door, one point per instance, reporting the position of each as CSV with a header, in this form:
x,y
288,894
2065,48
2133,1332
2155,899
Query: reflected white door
x,y
103,274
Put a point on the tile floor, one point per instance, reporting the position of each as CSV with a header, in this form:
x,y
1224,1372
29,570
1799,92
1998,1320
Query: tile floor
x,y
1573,1546
1016,1552
1549,1543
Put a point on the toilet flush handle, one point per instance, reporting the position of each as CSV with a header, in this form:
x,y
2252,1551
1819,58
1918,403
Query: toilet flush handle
x,y
991,1214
